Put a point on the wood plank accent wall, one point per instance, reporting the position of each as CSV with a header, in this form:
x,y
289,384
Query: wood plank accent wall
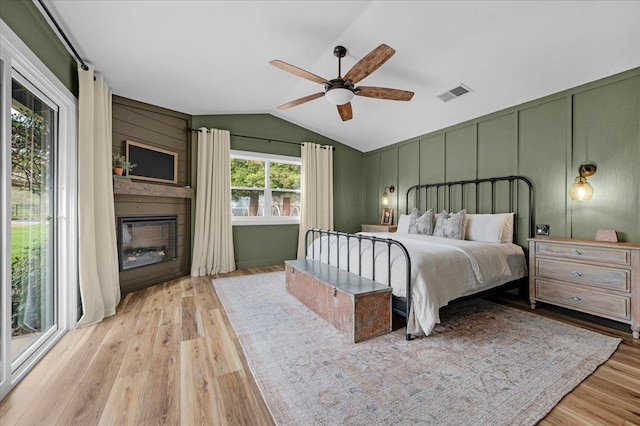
x,y
162,128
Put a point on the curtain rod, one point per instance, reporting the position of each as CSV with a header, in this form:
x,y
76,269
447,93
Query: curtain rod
x,y
333,148
64,36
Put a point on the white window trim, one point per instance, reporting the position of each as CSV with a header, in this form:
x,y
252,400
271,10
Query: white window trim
x,y
262,220
18,58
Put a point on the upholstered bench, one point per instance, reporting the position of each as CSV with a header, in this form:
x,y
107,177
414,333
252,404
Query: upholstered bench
x,y
357,306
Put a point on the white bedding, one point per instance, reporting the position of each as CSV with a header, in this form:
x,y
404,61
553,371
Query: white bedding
x,y
441,269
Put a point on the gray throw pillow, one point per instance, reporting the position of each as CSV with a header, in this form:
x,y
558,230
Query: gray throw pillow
x,y
421,223
451,225
413,217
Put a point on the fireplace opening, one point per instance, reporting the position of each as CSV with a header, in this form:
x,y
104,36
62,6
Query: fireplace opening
x,y
146,240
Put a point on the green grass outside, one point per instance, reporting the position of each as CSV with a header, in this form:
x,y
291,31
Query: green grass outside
x,y
24,235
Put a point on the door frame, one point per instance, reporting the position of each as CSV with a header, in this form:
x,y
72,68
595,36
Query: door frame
x,y
16,57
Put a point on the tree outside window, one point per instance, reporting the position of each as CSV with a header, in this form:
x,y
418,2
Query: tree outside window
x,y
265,187
250,175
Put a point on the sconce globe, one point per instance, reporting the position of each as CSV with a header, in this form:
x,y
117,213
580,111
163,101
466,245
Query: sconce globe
x,y
385,196
581,190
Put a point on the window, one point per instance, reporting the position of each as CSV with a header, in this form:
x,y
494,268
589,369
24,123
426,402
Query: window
x,y
265,189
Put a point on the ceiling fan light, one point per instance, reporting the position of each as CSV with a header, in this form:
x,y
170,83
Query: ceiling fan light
x,y
339,96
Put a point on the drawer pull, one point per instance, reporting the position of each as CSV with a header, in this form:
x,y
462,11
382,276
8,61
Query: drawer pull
x,y
576,298
576,274
577,252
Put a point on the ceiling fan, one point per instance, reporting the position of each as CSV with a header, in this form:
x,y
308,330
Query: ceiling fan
x,y
339,91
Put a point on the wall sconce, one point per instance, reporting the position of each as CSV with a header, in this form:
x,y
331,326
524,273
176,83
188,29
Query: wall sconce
x,y
581,190
385,196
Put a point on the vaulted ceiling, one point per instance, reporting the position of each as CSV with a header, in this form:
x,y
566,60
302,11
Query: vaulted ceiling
x,y
212,57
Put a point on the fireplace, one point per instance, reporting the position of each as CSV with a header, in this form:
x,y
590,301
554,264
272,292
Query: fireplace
x,y
146,240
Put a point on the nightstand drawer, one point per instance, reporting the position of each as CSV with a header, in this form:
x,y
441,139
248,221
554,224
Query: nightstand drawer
x,y
583,299
584,253
600,276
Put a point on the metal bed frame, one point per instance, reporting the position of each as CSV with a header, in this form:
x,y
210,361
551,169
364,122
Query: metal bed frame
x,y
402,305
476,183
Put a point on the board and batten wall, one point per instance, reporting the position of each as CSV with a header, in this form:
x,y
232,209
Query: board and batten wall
x,y
544,140
262,245
166,129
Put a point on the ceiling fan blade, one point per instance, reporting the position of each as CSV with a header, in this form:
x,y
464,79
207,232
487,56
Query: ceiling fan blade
x,y
301,101
384,93
345,111
369,63
298,71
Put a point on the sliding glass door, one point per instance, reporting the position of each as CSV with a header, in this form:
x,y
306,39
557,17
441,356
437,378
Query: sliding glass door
x,y
38,210
33,284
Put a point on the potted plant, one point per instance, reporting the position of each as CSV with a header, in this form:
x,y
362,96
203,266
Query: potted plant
x,y
120,164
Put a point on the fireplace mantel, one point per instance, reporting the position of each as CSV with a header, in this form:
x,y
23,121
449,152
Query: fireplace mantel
x,y
127,186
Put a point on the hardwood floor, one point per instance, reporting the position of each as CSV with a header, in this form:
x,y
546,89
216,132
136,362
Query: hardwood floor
x,y
170,356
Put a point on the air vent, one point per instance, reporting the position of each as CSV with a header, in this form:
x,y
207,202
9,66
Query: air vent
x,y
456,92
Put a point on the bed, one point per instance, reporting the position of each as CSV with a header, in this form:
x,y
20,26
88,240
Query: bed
x,y
427,272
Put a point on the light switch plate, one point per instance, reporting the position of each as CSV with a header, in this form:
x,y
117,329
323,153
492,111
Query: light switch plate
x,y
542,230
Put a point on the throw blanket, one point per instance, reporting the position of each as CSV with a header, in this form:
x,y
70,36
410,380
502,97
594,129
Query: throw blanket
x,y
441,269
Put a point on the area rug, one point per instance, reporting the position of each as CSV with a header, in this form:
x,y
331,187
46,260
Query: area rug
x,y
485,364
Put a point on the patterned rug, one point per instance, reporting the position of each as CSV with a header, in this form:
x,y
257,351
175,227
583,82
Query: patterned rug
x,y
485,364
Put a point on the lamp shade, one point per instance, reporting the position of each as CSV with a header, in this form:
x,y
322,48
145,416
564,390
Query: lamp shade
x,y
339,95
581,190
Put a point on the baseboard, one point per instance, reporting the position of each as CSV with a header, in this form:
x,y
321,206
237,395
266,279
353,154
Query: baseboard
x,y
258,263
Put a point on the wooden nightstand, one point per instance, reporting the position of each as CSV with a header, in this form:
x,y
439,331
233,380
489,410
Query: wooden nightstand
x,y
595,277
379,228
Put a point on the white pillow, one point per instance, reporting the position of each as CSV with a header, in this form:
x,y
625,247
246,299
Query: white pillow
x,y
403,224
507,231
490,228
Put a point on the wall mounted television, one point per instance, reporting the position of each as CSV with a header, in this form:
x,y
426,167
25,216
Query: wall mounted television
x,y
152,163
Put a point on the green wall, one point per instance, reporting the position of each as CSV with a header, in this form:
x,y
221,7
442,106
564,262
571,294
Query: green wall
x,y
544,140
272,244
23,17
